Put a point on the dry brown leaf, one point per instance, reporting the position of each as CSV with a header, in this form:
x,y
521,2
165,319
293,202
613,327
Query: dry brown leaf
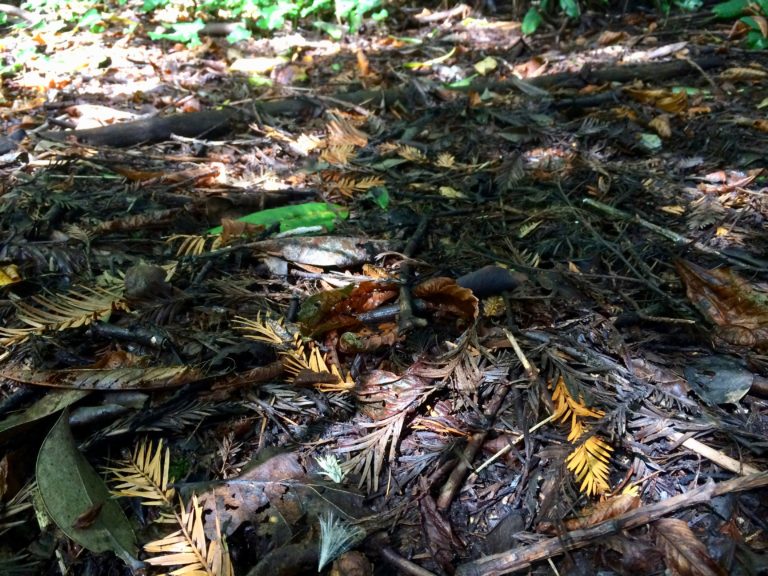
x,y
684,553
448,297
605,510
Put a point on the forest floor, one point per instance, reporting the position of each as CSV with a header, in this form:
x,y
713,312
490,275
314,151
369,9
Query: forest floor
x,y
497,304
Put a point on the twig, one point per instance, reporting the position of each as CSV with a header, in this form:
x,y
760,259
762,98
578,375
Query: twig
x,y
402,564
456,479
407,319
523,557
715,456
666,233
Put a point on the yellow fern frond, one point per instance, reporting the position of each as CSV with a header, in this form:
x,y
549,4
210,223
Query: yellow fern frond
x,y
191,244
411,153
266,330
368,183
145,475
589,463
566,406
188,548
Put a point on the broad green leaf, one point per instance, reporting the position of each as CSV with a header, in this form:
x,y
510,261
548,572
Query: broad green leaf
x,y
70,488
380,196
531,21
295,216
334,31
571,8
185,32
239,33
730,9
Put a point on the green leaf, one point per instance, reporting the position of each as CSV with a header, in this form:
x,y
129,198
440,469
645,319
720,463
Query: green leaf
x,y
531,21
753,24
92,20
730,9
571,8
689,5
239,33
756,40
70,487
334,31
151,5
295,216
185,32
380,196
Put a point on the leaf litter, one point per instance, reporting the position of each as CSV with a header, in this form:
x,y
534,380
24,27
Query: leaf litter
x,y
452,306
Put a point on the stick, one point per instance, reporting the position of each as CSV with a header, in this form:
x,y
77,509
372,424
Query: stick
x,y
524,556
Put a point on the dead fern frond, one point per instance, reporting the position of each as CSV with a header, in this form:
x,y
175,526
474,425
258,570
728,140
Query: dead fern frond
x,y
145,475
589,463
188,549
589,460
411,153
298,358
336,537
445,160
193,244
308,358
266,330
341,132
372,449
79,307
566,406
338,155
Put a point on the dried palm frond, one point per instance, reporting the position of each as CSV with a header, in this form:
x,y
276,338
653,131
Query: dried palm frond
x,y
188,549
76,308
19,565
12,512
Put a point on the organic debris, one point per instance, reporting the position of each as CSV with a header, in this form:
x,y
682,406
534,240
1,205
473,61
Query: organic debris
x,y
455,300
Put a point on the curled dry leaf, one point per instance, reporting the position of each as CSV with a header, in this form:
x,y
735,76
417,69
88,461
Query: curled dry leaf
x,y
729,301
448,298
684,553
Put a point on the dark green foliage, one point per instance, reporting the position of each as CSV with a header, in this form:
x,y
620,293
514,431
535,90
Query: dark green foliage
x,y
333,16
752,13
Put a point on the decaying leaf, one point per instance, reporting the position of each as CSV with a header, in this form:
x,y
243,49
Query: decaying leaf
x,y
150,378
684,553
729,301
